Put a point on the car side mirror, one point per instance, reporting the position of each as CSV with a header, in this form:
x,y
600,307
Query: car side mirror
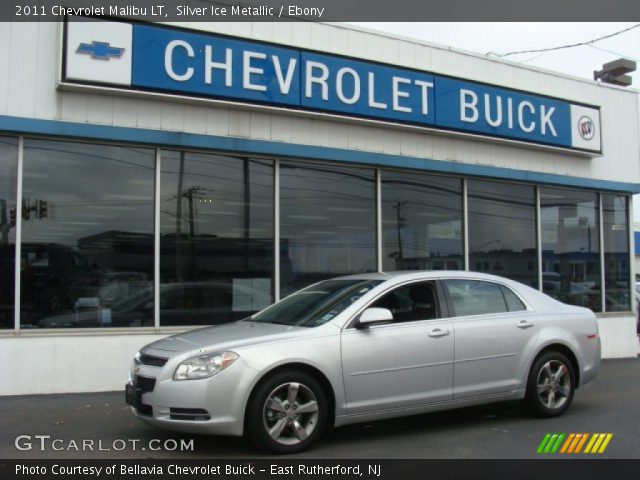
x,y
374,315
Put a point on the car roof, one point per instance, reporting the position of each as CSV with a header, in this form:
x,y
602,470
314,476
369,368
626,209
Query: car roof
x,y
424,274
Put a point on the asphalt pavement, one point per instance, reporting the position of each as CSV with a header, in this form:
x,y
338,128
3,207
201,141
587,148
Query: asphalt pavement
x,y
100,425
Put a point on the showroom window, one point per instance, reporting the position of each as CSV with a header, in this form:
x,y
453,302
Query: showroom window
x,y
216,238
8,184
502,230
327,223
570,246
617,275
421,222
87,235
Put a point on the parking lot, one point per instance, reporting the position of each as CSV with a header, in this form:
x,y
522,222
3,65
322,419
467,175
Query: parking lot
x,y
610,404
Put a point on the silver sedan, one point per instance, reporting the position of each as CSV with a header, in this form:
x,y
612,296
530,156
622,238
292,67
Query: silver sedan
x,y
367,347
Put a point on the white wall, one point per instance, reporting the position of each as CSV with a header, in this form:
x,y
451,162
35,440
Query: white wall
x,y
28,79
617,334
65,364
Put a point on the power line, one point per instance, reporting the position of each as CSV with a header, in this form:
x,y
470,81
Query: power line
x,y
614,53
561,47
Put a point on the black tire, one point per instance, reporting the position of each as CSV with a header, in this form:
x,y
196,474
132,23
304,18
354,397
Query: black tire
x,y
297,431
551,385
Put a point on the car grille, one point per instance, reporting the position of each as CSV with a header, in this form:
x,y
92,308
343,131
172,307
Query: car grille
x,y
145,385
152,360
194,414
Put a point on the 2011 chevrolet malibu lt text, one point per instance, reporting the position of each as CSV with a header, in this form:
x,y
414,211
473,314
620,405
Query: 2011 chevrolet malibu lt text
x,y
366,347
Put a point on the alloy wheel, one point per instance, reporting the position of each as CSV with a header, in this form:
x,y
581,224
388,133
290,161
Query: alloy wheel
x,y
554,384
290,413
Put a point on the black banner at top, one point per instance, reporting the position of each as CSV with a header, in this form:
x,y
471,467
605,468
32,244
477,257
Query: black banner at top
x,y
325,10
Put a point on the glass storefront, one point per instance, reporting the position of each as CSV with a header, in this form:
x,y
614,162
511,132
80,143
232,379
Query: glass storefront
x,y
421,222
216,238
571,246
327,223
502,230
88,233
8,184
617,274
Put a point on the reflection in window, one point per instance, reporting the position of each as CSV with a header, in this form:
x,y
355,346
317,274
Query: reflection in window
x,y
327,223
472,297
570,246
502,230
421,222
8,183
216,243
616,252
87,235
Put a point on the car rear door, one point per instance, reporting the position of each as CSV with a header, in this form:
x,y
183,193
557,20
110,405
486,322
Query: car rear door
x,y
495,334
402,363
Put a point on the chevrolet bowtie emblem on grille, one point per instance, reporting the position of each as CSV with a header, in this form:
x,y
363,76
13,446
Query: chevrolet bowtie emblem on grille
x,y
100,50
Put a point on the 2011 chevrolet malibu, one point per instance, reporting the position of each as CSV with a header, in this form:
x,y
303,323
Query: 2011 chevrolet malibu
x,y
366,347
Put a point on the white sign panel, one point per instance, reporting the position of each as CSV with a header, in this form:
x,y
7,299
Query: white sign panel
x,y
99,51
585,128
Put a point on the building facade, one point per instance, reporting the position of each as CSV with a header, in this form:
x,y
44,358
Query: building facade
x,y
154,178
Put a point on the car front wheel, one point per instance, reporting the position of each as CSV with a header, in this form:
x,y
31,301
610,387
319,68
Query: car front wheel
x,y
551,385
287,412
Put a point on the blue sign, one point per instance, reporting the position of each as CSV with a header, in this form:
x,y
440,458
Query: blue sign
x,y
214,66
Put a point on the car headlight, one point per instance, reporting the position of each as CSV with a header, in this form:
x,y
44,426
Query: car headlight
x,y
135,365
204,366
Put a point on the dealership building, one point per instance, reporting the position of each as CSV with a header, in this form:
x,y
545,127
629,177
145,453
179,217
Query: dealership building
x,y
155,178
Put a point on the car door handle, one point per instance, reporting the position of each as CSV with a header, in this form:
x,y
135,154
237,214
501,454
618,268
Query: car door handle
x,y
524,324
438,333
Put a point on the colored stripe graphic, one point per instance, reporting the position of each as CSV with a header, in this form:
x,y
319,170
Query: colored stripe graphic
x,y
550,443
574,443
598,443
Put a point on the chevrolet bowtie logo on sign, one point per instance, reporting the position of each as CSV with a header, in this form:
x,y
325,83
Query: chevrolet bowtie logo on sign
x,y
100,50
574,443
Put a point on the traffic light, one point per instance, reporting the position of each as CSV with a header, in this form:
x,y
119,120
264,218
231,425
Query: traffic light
x,y
12,216
42,209
26,209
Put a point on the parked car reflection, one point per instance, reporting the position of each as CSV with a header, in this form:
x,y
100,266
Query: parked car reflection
x,y
194,303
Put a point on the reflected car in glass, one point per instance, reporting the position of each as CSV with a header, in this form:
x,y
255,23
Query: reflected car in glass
x,y
187,303
367,347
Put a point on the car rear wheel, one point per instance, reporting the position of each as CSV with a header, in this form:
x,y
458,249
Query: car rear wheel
x,y
287,413
551,385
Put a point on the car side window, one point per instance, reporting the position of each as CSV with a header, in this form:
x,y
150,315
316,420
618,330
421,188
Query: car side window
x,y
514,304
475,297
417,301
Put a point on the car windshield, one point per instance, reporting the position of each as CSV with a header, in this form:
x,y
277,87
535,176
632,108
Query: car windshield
x,y
316,304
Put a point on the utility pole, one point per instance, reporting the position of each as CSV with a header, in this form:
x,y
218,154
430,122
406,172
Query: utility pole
x,y
400,223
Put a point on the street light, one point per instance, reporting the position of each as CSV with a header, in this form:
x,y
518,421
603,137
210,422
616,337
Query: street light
x,y
614,72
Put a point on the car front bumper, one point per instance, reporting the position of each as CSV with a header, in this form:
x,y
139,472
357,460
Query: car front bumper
x,y
213,405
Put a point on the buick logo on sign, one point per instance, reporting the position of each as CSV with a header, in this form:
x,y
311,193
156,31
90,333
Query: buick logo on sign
x,y
100,50
586,128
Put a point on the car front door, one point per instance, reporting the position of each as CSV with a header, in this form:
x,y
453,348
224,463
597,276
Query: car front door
x,y
406,362
495,335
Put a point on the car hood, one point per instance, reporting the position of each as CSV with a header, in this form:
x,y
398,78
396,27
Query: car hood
x,y
230,335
